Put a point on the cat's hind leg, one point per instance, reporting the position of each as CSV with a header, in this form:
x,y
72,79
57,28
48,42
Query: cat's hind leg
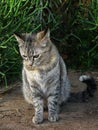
x,y
64,83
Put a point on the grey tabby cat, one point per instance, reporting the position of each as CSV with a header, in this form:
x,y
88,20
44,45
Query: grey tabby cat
x,y
45,77
44,74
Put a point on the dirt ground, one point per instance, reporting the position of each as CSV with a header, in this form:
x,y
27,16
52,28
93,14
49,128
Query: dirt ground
x,y
16,114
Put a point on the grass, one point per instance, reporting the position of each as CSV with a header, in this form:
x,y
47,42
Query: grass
x,y
74,30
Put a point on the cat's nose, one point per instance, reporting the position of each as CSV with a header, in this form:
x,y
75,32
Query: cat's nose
x,y
30,63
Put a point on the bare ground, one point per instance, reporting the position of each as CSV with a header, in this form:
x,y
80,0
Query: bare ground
x,y
16,114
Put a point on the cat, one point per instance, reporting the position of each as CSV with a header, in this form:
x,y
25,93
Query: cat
x,y
44,74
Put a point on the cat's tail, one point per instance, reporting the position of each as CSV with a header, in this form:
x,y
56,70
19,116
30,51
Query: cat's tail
x,y
87,93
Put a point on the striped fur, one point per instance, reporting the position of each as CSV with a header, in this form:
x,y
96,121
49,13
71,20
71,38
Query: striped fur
x,y
44,74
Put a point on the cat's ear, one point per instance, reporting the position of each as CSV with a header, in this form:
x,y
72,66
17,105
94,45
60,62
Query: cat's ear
x,y
47,33
43,34
20,38
40,35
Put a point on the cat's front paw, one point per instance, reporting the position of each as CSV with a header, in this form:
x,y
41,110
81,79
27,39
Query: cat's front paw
x,y
37,120
53,117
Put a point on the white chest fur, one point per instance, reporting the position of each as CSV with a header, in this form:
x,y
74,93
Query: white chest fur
x,y
42,78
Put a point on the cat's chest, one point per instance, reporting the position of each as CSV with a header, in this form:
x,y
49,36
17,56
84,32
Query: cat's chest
x,y
41,77
33,76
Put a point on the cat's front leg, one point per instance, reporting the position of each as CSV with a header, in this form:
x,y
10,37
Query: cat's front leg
x,y
38,106
53,108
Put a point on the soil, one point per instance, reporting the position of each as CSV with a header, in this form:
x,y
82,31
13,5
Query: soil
x,y
16,113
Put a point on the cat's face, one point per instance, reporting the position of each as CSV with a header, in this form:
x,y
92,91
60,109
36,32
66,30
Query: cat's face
x,y
33,47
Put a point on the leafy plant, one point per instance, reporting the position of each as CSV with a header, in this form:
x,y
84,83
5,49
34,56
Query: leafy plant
x,y
22,16
74,30
82,34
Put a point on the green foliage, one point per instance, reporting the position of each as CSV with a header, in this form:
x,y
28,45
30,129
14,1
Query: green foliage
x,y
74,29
81,34
89,38
21,16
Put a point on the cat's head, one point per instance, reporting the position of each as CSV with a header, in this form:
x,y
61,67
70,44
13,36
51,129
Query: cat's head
x,y
33,47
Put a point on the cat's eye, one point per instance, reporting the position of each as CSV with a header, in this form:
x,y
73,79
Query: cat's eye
x,y
24,56
35,56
